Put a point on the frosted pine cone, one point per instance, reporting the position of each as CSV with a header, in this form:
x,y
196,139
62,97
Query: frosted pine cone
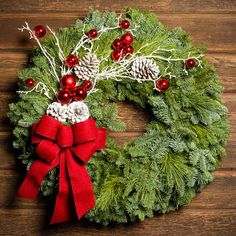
x,y
57,111
73,113
144,69
87,66
77,112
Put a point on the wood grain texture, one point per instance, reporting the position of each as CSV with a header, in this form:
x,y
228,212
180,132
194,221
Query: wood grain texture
x,y
167,6
217,33
184,222
15,61
211,23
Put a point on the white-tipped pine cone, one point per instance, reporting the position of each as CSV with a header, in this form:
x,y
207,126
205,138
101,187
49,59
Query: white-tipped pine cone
x,y
87,67
73,113
144,69
57,111
77,112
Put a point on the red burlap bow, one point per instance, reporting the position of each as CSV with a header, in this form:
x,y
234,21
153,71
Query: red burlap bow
x,y
69,147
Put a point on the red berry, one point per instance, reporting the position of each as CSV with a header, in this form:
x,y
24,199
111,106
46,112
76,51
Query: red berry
x,y
128,49
64,96
124,24
79,93
127,38
92,33
190,63
68,82
87,85
39,31
30,83
117,55
71,60
117,43
162,85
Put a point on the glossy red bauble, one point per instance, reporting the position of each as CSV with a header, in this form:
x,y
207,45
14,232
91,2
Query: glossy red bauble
x,y
190,63
92,33
71,60
117,44
30,83
127,38
162,85
87,85
124,24
64,96
68,82
79,93
117,55
128,49
39,31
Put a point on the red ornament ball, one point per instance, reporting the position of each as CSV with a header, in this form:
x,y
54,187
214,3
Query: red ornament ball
x,y
117,55
162,85
92,33
117,43
30,83
39,31
190,63
79,93
124,24
127,38
68,82
87,85
64,96
128,49
71,60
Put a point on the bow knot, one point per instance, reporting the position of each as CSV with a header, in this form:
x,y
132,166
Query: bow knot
x,y
62,145
65,136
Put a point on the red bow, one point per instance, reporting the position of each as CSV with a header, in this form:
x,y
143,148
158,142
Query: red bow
x,y
69,147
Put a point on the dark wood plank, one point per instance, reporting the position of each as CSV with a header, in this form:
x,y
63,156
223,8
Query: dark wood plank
x,y
176,6
14,61
217,33
135,118
215,222
221,193
8,156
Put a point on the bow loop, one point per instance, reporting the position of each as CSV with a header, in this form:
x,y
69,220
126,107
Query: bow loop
x,y
84,131
48,127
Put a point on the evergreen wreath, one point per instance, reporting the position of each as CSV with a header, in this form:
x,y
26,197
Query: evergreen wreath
x,y
131,57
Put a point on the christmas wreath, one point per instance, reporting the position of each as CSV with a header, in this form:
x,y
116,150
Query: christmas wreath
x,y
76,76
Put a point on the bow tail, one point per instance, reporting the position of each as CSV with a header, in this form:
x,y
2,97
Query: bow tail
x,y
30,187
81,185
63,208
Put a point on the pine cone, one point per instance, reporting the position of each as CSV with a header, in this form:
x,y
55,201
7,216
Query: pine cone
x,y
144,69
57,111
73,113
77,112
87,66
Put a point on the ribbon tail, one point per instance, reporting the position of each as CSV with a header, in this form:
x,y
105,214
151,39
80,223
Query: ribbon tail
x,y
81,185
30,187
62,210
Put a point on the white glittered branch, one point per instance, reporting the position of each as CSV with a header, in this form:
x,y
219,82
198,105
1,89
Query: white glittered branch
x,y
120,70
40,87
49,57
85,40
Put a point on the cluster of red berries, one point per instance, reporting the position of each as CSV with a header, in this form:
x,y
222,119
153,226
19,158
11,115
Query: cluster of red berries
x,y
122,46
70,91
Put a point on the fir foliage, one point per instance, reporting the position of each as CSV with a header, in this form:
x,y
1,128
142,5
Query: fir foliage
x,y
161,170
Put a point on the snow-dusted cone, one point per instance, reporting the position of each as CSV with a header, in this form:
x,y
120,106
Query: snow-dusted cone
x,y
144,69
87,66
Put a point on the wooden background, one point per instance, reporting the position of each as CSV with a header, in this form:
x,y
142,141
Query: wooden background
x,y
209,22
